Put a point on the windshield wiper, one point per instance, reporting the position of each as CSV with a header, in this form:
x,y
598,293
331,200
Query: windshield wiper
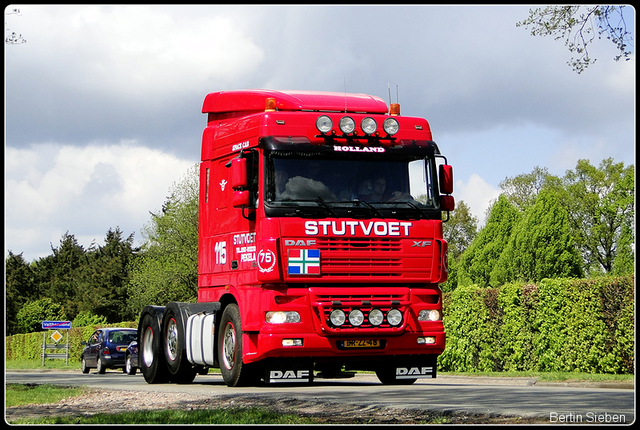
x,y
413,206
370,207
324,204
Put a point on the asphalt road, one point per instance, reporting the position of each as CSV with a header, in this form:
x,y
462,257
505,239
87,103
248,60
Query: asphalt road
x,y
524,397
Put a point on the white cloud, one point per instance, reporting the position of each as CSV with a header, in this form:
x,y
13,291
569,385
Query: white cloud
x,y
51,189
477,194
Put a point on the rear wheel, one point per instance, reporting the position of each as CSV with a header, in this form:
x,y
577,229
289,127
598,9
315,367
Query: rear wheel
x,y
174,346
234,371
100,367
150,355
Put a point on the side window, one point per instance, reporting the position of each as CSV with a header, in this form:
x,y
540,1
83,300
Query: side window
x,y
252,177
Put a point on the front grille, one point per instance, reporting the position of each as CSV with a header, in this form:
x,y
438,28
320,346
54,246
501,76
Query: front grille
x,y
361,257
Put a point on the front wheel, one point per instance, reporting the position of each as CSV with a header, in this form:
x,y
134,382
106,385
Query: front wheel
x,y
100,367
387,377
129,368
234,371
85,368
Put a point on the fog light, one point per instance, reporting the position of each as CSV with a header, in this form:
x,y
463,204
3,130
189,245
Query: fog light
x,y
324,124
292,342
369,125
429,315
391,126
376,317
347,124
429,340
394,317
356,317
337,317
281,317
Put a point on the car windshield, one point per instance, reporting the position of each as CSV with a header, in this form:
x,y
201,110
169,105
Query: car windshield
x,y
122,336
402,182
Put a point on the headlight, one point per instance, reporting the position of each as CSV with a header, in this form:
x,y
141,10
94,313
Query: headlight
x,y
376,317
337,317
347,125
394,317
281,317
391,126
356,317
324,124
369,125
429,315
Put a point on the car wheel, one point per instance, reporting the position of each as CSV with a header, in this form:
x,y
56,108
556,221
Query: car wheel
x,y
84,367
100,367
129,368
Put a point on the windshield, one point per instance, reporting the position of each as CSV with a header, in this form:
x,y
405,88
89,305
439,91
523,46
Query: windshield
x,y
374,183
122,336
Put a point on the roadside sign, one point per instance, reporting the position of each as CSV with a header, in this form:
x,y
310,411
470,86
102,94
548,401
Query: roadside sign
x,y
56,336
51,325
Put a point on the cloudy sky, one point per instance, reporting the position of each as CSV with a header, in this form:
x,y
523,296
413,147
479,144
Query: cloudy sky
x,y
103,103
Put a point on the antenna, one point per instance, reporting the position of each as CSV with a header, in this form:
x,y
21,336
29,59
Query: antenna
x,y
397,95
345,94
389,88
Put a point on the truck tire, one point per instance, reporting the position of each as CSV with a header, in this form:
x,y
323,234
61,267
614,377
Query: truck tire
x,y
175,354
150,354
234,372
387,377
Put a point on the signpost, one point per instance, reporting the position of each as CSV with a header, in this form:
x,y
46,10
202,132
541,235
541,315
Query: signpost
x,y
56,336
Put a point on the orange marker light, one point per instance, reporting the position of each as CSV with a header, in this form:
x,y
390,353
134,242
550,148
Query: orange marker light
x,y
270,105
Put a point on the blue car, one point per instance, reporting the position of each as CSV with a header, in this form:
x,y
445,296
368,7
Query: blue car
x,y
106,349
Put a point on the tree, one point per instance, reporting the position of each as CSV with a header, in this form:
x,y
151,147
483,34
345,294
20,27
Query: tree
x,y
541,245
579,26
20,288
103,279
30,317
478,260
522,190
600,203
57,274
168,265
459,233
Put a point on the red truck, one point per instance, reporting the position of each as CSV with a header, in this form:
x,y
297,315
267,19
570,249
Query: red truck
x,y
320,245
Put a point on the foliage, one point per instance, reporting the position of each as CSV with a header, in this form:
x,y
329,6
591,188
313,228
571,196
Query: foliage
x,y
29,346
600,202
459,233
540,245
30,317
579,26
20,288
566,325
167,270
86,318
480,257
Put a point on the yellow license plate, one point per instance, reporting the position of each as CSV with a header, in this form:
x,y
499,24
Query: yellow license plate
x,y
361,343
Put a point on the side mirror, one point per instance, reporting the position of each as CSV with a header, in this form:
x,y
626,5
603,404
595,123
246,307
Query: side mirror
x,y
83,343
241,199
239,173
445,177
447,203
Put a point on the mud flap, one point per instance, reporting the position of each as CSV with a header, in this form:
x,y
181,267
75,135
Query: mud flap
x,y
415,368
281,370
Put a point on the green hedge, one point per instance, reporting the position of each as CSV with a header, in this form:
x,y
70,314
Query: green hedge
x,y
29,346
581,325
